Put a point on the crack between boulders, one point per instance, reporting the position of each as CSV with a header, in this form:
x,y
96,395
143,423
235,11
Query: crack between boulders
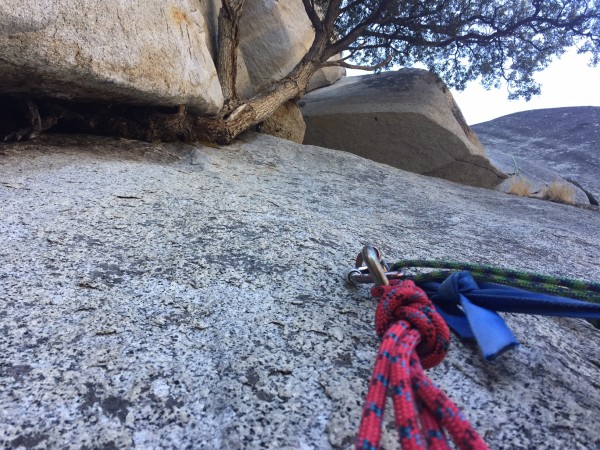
x,y
589,195
454,158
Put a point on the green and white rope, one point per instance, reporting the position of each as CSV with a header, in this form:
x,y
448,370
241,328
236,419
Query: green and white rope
x,y
554,285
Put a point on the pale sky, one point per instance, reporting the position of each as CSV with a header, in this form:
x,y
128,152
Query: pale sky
x,y
568,81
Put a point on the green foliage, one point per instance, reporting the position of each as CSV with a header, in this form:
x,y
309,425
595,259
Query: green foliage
x,y
464,40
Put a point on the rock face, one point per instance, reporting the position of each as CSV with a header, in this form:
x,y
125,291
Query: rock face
x,y
537,175
286,123
565,140
114,51
274,36
25,16
158,54
171,296
406,119
326,77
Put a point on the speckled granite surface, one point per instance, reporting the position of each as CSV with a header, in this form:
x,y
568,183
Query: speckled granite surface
x,y
166,296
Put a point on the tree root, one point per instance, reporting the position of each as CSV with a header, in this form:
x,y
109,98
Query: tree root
x,y
36,125
31,118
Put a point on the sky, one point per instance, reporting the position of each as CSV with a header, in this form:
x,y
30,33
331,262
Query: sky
x,y
567,81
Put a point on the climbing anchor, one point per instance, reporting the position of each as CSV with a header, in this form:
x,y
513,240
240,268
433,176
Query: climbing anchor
x,y
414,338
371,268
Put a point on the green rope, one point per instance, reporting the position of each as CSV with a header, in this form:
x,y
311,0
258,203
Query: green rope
x,y
561,286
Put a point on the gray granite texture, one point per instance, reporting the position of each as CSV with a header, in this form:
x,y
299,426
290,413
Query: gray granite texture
x,y
536,173
406,118
566,140
169,296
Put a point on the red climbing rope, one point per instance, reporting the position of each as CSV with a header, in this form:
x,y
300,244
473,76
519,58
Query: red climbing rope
x,y
408,321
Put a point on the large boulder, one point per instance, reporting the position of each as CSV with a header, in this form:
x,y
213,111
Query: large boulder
x,y
161,53
407,119
286,122
274,36
170,296
326,76
152,53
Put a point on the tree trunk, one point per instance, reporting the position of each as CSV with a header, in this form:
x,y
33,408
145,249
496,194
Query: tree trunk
x,y
224,128
237,116
228,41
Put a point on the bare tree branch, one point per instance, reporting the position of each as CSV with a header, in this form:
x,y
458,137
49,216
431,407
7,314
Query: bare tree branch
x,y
333,11
358,30
309,7
342,63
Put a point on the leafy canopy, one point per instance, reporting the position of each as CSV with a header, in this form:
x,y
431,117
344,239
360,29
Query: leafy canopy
x,y
460,40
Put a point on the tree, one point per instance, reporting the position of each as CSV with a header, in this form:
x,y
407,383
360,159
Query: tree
x,y
460,40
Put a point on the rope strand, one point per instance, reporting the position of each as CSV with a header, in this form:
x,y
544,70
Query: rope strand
x,y
414,337
561,286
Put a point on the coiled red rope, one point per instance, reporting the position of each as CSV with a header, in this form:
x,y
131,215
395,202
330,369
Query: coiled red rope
x,y
415,337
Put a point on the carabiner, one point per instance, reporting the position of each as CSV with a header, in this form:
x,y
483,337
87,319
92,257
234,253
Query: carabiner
x,y
371,268
372,258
